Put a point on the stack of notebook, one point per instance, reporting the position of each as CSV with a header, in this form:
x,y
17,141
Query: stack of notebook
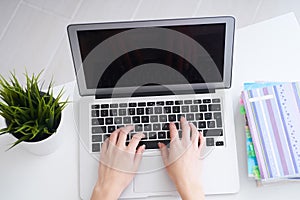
x,y
272,113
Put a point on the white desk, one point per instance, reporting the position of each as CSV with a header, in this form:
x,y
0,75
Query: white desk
x,y
266,51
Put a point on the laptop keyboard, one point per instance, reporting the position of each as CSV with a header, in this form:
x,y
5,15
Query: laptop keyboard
x,y
153,118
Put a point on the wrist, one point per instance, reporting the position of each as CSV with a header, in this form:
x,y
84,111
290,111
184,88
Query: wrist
x,y
105,192
191,191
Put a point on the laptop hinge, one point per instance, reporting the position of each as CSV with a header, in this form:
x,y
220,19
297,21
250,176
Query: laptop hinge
x,y
158,93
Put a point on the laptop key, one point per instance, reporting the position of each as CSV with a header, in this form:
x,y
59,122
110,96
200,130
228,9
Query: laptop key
x,y
163,118
97,130
158,110
161,135
206,101
189,117
219,143
185,109
104,113
194,108
98,121
113,112
153,144
150,103
131,111
114,105
145,119
214,107
167,109
160,103
169,102
132,104
172,118
97,138
188,101
203,108
118,120
179,116
207,116
153,118
202,124
127,120
95,106
136,119
111,129
138,127
219,123
211,124
212,132
95,147
142,104
216,100
152,135
104,106
140,111
199,116
149,111
178,102
147,127
197,101
95,113
122,112
123,105
108,120
176,109
165,126
210,142
156,127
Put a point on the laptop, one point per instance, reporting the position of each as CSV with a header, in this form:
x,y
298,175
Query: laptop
x,y
149,73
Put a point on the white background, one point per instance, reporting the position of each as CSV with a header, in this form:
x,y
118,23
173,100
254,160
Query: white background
x,y
33,35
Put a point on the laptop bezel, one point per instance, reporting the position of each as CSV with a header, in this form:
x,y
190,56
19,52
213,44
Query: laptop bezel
x,y
228,54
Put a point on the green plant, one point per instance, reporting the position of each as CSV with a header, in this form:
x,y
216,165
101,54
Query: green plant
x,y
31,115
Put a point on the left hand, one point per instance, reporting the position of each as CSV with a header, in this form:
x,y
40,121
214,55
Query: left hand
x,y
118,164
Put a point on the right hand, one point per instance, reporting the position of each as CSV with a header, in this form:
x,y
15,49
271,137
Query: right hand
x,y
182,160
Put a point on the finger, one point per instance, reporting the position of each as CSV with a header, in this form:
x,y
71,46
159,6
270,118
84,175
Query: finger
x,y
173,131
185,130
138,157
164,152
195,135
135,141
123,135
103,152
141,149
104,146
201,142
114,136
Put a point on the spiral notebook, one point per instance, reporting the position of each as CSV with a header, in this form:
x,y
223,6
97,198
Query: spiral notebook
x,y
273,114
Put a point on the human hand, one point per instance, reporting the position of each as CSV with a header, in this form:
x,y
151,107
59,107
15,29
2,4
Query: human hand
x,y
118,164
182,160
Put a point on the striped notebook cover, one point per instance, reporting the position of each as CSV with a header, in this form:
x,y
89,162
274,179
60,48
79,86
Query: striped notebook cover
x,y
273,115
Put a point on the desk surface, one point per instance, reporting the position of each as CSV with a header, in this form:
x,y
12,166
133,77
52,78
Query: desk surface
x,y
264,51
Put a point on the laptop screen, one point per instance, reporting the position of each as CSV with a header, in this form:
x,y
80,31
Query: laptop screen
x,y
145,54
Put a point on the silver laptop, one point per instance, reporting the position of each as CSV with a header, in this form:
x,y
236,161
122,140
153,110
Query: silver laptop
x,y
149,73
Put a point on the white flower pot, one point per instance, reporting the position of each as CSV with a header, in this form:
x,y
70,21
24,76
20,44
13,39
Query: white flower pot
x,y
46,146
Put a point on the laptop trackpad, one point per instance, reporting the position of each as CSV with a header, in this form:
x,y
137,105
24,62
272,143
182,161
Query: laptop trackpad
x,y
152,176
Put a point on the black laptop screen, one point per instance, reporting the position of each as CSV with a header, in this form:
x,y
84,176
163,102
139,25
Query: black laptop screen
x,y
145,56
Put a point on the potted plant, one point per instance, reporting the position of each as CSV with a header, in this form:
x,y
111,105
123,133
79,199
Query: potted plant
x,y
31,115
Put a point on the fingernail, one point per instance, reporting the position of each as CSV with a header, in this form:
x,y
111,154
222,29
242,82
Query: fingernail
x,y
159,144
143,147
